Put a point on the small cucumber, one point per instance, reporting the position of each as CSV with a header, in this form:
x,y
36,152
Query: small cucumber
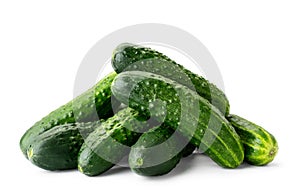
x,y
57,148
157,152
107,145
92,105
260,146
182,108
130,57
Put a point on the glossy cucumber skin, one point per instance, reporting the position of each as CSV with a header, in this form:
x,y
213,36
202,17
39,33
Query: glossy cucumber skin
x,y
158,151
92,105
140,90
260,146
130,57
58,147
107,145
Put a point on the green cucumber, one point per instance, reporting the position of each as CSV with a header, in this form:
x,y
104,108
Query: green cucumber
x,y
260,146
128,57
94,104
157,152
58,147
107,145
183,109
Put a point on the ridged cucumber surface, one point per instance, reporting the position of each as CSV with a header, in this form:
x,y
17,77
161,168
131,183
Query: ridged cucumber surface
x,y
129,57
260,146
158,151
181,108
58,147
107,145
94,104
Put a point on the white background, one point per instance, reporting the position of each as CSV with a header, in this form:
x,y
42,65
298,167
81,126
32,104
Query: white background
x,y
255,43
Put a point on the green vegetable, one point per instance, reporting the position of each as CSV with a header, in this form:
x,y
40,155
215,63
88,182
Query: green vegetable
x,y
94,104
158,151
260,146
107,145
181,108
57,148
128,57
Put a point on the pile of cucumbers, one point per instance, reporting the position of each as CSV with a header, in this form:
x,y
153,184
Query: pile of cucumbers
x,y
152,110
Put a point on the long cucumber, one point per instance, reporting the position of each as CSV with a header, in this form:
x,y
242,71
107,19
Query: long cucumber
x,y
107,145
130,57
183,109
58,147
92,105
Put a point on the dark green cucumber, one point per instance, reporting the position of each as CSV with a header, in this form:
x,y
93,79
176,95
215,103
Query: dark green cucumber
x,y
92,105
58,147
128,57
260,146
107,145
158,151
183,109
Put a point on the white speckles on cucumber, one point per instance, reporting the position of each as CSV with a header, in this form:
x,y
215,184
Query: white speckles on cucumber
x,y
65,116
55,122
70,114
104,150
158,63
186,103
151,105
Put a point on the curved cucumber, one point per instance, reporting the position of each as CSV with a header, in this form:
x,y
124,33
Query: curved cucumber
x,y
129,57
94,104
260,146
180,107
107,145
57,148
157,152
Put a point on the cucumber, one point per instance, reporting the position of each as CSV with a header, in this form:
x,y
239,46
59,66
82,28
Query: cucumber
x,y
128,57
57,148
181,108
152,154
94,104
260,146
107,145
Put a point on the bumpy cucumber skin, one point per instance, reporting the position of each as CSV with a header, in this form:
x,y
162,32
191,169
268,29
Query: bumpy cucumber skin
x,y
128,57
139,89
57,148
92,105
260,146
107,145
162,160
